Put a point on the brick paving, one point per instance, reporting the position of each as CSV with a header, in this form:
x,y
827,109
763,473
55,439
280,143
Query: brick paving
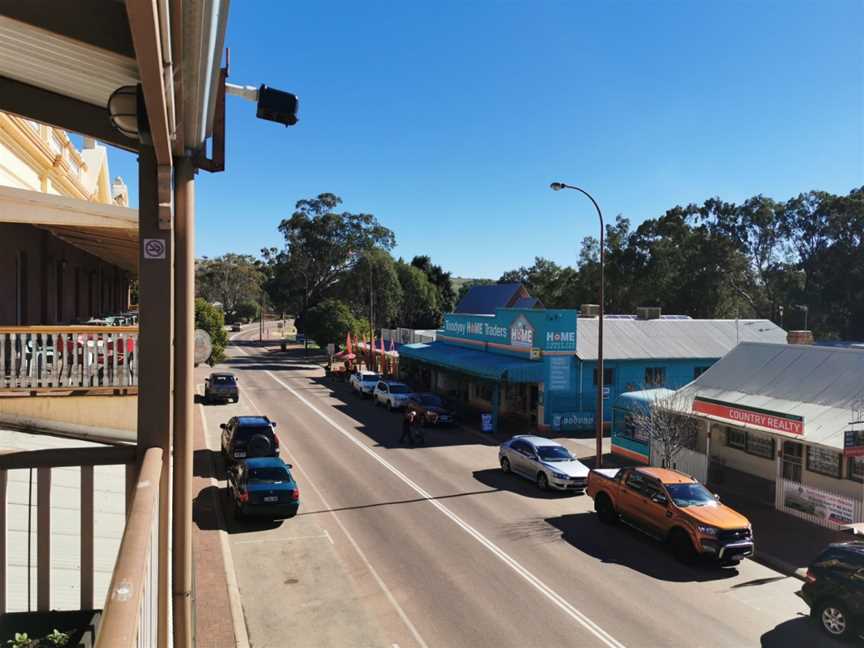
x,y
212,608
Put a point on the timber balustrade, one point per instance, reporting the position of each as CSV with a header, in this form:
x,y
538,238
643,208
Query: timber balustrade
x,y
52,358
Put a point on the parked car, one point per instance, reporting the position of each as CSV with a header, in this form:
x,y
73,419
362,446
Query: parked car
x,y
244,437
430,408
394,395
364,382
834,589
543,461
263,487
219,386
675,508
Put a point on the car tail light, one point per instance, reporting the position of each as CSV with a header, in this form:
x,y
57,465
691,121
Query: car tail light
x,y
810,577
295,494
243,496
276,441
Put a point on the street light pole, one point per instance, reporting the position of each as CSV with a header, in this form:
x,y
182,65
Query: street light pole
x,y
601,382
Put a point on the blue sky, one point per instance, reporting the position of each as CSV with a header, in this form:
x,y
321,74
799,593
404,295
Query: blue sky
x,y
448,120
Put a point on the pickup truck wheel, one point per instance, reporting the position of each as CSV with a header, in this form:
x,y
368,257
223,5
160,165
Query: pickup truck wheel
x,y
834,619
682,547
505,464
605,510
542,481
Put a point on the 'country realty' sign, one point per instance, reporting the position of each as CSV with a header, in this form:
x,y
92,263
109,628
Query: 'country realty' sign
x,y
745,415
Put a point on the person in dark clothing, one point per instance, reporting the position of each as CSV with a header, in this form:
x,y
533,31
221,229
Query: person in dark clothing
x,y
407,424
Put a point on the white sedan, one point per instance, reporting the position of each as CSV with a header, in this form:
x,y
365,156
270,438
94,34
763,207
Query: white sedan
x,y
394,395
363,382
543,461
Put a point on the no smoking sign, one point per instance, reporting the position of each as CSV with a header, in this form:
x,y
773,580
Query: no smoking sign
x,y
154,248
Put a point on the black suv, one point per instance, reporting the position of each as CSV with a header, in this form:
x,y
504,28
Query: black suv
x,y
249,436
834,589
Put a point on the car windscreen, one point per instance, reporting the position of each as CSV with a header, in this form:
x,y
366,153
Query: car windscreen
x,y
370,378
399,389
269,474
554,453
246,432
223,380
685,495
431,400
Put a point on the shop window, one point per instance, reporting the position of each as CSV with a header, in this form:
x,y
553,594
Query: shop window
x,y
855,469
698,371
608,377
792,460
655,376
824,461
736,438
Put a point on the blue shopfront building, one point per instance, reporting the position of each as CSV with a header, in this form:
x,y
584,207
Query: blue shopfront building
x,y
537,366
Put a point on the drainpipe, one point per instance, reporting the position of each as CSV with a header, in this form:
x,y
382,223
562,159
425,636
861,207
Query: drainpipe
x,y
184,395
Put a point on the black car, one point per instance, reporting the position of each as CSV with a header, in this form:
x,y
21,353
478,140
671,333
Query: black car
x,y
221,387
431,409
244,437
834,589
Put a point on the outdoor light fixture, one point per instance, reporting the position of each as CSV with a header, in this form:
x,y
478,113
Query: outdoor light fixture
x,y
557,186
273,105
127,112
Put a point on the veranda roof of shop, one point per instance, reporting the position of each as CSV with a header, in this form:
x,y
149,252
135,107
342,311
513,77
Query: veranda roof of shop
x,y
820,384
491,366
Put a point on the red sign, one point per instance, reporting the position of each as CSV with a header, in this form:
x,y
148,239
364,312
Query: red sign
x,y
750,416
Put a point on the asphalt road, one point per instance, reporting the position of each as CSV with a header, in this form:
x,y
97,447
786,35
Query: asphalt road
x,y
434,546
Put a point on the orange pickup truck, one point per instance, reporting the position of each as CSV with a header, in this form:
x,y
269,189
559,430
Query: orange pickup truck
x,y
672,507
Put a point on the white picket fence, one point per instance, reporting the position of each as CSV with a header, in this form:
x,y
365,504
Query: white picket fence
x,y
40,357
823,507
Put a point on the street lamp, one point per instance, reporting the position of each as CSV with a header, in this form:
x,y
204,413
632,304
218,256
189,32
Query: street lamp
x,y
601,382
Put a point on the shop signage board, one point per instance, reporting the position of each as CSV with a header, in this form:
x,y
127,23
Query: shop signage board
x,y
572,420
775,421
853,443
559,374
521,329
818,503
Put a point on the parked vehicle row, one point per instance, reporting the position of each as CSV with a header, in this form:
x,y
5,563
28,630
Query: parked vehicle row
x,y
431,409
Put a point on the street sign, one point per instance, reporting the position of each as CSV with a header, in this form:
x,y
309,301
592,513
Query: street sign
x,y
154,248
486,422
203,346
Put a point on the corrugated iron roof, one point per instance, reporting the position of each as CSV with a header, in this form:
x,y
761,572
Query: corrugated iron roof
x,y
663,339
820,384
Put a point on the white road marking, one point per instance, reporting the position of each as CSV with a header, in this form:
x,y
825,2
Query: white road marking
x,y
511,562
241,638
291,539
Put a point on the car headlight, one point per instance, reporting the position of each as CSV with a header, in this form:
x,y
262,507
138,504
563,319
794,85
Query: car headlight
x,y
707,530
560,476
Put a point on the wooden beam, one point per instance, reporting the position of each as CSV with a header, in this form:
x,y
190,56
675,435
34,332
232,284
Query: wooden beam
x,y
43,539
86,537
3,480
34,208
64,112
144,25
94,22
65,457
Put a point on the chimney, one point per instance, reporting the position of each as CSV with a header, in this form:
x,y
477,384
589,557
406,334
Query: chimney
x,y
589,310
648,312
89,142
799,337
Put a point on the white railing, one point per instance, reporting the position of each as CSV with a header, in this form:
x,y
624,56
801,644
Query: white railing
x,y
68,357
408,336
823,507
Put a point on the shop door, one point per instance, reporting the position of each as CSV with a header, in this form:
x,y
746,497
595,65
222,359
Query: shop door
x,y
793,454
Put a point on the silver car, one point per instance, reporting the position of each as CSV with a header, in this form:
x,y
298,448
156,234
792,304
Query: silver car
x,y
394,395
545,462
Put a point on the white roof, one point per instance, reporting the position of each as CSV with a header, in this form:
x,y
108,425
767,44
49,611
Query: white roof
x,y
629,339
820,384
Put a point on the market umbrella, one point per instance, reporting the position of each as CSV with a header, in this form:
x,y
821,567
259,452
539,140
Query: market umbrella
x,y
383,357
348,344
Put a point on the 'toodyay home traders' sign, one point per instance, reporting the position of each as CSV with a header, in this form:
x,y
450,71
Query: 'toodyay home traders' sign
x,y
522,329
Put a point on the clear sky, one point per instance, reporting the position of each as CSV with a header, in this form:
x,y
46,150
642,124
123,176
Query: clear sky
x,y
448,120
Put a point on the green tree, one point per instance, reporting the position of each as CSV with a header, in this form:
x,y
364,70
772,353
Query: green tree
x,y
419,308
373,279
329,322
443,282
212,320
230,280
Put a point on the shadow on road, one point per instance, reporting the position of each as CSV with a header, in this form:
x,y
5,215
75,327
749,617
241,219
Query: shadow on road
x,y
800,631
207,518
407,501
499,480
208,463
624,546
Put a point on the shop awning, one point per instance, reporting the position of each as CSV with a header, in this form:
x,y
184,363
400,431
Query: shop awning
x,y
491,366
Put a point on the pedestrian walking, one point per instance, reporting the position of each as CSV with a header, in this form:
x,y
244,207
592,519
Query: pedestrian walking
x,y
407,425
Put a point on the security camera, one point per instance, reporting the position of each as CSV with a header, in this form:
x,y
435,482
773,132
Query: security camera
x,y
273,105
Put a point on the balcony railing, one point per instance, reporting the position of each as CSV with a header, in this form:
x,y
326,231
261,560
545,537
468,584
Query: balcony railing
x,y
47,358
130,616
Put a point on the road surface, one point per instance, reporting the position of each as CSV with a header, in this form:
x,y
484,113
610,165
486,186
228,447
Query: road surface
x,y
434,546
